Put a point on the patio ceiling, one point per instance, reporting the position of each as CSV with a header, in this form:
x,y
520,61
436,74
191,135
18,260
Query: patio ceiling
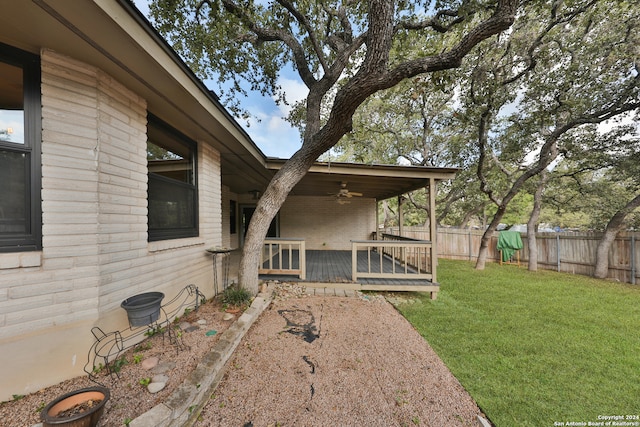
x,y
378,182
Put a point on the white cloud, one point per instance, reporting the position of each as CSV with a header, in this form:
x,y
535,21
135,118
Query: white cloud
x,y
268,127
621,120
271,132
294,91
143,6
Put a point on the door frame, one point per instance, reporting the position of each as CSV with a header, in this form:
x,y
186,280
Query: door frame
x,y
274,229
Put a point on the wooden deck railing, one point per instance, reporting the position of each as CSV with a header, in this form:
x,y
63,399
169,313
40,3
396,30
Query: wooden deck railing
x,y
417,259
283,256
392,258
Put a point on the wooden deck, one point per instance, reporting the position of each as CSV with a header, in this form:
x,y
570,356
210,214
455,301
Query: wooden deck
x,y
326,269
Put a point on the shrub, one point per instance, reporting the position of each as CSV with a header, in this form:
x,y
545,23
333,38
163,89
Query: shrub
x,y
235,295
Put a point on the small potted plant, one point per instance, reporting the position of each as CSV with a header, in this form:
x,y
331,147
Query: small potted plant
x,y
79,408
235,299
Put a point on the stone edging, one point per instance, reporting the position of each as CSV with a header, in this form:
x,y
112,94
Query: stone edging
x,y
183,406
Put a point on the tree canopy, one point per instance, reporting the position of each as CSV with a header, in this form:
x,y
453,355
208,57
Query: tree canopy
x,y
527,102
343,51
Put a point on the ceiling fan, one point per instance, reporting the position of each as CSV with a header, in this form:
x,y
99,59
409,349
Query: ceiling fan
x,y
344,194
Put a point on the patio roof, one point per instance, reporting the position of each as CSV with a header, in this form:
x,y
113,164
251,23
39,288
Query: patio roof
x,y
374,181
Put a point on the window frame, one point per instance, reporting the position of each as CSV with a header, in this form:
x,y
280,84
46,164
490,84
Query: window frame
x,y
169,233
31,239
233,217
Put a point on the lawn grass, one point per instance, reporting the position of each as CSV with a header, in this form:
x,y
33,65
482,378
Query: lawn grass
x,y
535,348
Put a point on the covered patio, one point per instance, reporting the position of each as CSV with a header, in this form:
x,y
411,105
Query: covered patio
x,y
326,233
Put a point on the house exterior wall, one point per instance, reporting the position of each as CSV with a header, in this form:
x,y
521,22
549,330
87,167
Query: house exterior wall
x,y
229,240
325,224
95,250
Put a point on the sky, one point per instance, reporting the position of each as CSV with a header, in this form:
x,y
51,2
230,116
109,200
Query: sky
x,y
267,127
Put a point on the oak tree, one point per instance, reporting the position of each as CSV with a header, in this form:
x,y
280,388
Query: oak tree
x,y
343,51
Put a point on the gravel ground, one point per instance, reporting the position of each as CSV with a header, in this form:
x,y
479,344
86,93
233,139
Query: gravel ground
x,y
129,398
332,361
307,361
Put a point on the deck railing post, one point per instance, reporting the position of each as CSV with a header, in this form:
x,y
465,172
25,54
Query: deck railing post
x,y
270,256
354,261
283,243
303,260
414,265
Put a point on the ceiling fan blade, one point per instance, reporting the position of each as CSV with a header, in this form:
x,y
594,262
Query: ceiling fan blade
x,y
353,193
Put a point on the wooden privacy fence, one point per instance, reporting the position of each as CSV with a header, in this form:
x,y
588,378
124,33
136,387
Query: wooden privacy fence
x,y
568,252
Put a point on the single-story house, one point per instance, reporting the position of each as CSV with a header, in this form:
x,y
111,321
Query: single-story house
x,y
118,169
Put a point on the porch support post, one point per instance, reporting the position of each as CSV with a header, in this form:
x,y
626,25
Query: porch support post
x,y
432,227
377,231
400,215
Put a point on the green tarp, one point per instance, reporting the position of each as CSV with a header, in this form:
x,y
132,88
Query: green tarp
x,y
509,242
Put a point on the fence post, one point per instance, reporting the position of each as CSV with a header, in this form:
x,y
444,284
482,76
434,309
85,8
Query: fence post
x,y
558,249
470,247
633,259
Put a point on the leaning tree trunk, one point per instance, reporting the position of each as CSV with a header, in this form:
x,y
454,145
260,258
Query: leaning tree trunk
x,y
273,198
615,225
389,215
372,76
486,237
532,242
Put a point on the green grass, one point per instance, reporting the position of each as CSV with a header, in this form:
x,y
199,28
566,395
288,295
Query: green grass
x,y
535,348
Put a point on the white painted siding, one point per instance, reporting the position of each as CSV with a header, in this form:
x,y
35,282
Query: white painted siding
x,y
325,224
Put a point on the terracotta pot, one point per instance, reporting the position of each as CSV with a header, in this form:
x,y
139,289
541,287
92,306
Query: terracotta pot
x,y
88,418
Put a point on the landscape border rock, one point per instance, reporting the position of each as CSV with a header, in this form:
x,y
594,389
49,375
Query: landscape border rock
x,y
184,405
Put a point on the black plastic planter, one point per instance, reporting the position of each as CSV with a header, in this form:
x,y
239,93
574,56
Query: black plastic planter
x,y
143,309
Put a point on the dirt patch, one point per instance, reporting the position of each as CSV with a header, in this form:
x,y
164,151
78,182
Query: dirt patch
x,y
80,408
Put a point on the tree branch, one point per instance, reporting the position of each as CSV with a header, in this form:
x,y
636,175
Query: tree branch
x,y
268,34
502,19
557,20
304,22
483,131
434,22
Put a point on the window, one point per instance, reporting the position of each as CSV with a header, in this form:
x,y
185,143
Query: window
x,y
172,188
20,135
